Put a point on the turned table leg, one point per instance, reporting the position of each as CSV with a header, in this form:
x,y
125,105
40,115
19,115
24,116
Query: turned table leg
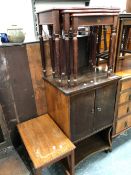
x,y
57,38
105,40
66,26
112,45
99,43
51,43
42,50
75,56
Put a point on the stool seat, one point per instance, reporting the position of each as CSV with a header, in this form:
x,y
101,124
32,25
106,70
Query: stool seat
x,y
44,141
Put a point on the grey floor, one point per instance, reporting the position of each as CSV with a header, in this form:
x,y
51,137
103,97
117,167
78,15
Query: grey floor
x,y
118,162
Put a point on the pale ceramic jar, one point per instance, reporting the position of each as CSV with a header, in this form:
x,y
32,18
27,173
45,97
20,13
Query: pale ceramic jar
x,y
15,34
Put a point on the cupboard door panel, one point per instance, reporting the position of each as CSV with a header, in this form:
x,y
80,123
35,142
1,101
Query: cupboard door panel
x,y
104,106
82,113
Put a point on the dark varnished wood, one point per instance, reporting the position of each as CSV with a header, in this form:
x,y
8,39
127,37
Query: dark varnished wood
x,y
42,50
23,93
65,19
94,144
52,45
21,84
82,113
105,105
82,102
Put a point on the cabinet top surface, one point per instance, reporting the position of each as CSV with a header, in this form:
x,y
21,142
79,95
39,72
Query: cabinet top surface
x,y
87,81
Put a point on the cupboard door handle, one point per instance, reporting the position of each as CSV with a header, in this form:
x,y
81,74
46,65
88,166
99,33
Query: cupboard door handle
x,y
130,97
126,124
99,109
128,109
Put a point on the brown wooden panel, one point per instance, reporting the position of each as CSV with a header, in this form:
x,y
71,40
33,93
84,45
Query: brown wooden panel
x,y
125,97
82,112
46,18
124,109
48,58
20,81
127,22
123,124
105,105
6,93
94,20
126,84
58,107
4,79
35,65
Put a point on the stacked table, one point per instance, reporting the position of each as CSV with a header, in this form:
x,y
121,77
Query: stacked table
x,y
63,25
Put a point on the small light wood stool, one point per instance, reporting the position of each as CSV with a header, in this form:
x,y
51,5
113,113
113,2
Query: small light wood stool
x,y
46,143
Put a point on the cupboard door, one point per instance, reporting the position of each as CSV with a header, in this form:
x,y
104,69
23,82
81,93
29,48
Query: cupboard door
x,y
104,106
82,113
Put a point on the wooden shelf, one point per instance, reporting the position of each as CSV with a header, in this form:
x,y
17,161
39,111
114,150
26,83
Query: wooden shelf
x,y
96,143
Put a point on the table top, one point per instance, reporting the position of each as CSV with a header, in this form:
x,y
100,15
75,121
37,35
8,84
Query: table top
x,y
44,141
93,14
85,82
80,9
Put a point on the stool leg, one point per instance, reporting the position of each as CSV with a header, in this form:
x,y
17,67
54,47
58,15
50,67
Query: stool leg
x,y
71,161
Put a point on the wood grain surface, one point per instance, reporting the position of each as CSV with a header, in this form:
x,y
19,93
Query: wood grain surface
x,y
58,107
124,109
44,141
126,85
125,97
35,65
123,124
